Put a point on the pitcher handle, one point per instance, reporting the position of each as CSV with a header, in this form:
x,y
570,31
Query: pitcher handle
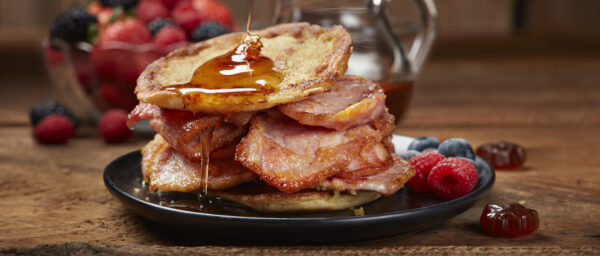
x,y
422,44
412,62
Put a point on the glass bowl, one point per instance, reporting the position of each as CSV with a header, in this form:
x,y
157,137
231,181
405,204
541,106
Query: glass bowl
x,y
91,79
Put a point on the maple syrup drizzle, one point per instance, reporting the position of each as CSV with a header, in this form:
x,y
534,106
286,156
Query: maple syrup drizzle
x,y
205,140
241,72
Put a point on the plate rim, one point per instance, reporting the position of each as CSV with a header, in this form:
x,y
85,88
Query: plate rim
x,y
115,190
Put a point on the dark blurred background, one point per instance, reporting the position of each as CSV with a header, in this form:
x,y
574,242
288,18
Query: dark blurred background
x,y
466,29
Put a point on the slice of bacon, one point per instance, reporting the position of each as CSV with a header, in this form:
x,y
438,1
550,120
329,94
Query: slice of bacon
x,y
183,129
166,170
240,118
373,159
352,101
291,156
387,182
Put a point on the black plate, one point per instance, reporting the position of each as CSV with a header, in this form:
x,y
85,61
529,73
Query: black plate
x,y
402,212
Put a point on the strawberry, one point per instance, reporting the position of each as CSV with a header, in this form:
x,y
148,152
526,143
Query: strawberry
x,y
149,10
214,11
109,14
186,16
169,3
103,62
191,13
129,30
169,35
54,56
94,8
117,97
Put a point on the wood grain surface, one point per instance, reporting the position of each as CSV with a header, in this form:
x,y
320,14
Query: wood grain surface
x,y
53,200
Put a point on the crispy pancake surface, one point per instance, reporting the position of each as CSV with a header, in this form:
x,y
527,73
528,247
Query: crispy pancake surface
x,y
166,170
352,101
309,57
263,198
291,156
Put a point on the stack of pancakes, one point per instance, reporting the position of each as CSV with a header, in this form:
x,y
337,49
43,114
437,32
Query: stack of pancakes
x,y
319,141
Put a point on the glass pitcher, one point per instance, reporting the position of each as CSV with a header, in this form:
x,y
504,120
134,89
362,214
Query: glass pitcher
x,y
378,53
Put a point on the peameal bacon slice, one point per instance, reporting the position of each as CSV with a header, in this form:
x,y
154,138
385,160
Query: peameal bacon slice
x,y
291,156
387,182
182,129
166,170
352,101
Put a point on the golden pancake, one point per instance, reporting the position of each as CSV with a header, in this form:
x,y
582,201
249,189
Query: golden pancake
x,y
263,198
308,57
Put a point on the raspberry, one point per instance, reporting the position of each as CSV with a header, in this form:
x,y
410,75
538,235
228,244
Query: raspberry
x,y
113,126
54,129
208,30
72,25
158,24
47,108
170,35
129,30
423,164
452,177
509,220
425,142
149,10
455,147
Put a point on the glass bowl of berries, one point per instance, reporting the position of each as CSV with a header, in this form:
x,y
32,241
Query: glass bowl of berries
x,y
95,52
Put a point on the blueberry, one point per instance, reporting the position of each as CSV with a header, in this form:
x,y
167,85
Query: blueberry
x,y
456,147
208,30
408,154
480,164
159,23
425,142
46,108
430,150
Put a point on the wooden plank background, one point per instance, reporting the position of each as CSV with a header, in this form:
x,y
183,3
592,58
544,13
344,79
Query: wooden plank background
x,y
458,19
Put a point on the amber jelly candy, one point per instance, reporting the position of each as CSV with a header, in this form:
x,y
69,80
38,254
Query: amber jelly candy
x,y
509,220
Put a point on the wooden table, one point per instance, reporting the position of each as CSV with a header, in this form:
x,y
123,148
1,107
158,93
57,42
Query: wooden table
x,y
53,198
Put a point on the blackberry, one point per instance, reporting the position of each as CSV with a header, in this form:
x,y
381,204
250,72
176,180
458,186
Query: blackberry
x,y
457,147
159,23
125,3
425,142
208,30
46,108
72,25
